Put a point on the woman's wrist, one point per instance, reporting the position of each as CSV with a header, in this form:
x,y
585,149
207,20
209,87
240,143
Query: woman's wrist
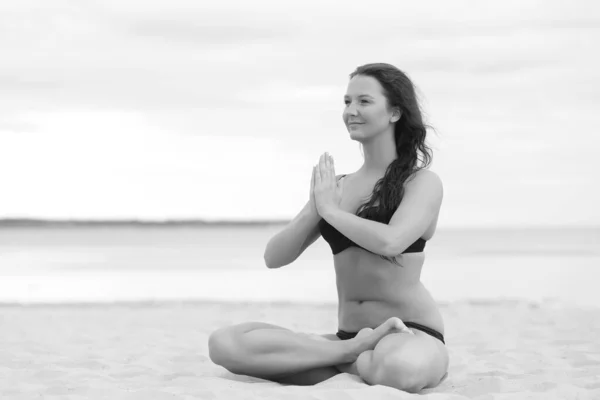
x,y
327,212
311,216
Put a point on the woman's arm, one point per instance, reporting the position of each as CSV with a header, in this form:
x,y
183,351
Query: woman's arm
x,y
421,203
287,245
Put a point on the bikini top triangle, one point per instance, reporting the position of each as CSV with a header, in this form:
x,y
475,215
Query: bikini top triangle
x,y
338,242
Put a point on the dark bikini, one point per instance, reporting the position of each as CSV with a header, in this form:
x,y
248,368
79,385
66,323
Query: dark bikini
x,y
343,335
338,242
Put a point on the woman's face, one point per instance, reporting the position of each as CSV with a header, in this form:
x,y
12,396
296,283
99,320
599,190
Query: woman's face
x,y
366,113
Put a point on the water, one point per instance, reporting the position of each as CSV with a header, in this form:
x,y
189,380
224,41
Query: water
x,y
104,264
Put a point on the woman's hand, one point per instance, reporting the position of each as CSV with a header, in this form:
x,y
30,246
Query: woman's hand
x,y
311,195
327,192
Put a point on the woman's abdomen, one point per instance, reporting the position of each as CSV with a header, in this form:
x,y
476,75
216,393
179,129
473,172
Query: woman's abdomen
x,y
371,290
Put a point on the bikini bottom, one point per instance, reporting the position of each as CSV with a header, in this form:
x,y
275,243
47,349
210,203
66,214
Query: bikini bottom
x,y
343,335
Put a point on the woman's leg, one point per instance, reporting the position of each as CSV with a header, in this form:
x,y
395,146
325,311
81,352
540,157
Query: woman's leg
x,y
405,362
351,368
272,352
314,375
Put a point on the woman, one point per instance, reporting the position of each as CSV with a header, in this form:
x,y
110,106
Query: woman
x,y
376,221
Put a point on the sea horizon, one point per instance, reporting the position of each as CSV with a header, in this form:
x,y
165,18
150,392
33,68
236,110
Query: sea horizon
x,y
199,222
50,222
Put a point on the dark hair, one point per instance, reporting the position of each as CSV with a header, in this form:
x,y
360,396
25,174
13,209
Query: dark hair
x,y
409,134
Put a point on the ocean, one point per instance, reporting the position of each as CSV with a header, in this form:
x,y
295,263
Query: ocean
x,y
99,264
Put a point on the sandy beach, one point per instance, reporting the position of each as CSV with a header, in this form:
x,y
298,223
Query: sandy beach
x,y
498,349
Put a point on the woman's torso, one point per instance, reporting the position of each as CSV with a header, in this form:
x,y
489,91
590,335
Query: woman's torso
x,y
371,289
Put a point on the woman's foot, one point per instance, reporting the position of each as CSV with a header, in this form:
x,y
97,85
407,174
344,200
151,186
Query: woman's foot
x,y
350,368
367,339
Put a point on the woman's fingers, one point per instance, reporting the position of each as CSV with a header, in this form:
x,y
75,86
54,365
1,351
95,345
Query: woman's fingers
x,y
332,167
323,165
325,169
317,174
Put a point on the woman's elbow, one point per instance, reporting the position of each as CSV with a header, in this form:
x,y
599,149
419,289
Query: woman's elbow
x,y
391,249
268,257
269,262
272,259
388,252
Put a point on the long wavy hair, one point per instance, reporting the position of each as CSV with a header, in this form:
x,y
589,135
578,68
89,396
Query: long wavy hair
x,y
412,152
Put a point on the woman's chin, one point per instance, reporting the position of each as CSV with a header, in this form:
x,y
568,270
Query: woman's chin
x,y
358,136
355,138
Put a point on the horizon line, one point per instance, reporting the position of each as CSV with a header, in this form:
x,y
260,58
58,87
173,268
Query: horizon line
x,y
13,222
49,222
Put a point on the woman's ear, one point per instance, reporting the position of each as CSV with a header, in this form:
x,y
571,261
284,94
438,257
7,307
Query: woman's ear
x,y
396,114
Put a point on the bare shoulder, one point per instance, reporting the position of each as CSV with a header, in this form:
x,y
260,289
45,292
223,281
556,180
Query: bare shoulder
x,y
425,184
425,178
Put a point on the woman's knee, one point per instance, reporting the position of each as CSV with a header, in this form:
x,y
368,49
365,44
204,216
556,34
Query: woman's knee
x,y
401,374
402,368
364,365
220,345
388,374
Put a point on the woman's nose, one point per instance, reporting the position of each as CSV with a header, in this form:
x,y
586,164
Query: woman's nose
x,y
351,109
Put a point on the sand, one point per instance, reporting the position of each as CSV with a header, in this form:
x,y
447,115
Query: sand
x,y
498,350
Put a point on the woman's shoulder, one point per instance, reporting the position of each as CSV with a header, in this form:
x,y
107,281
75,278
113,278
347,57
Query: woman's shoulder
x,y
425,176
425,184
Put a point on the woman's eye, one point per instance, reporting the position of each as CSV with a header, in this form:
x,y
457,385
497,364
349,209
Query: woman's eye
x,y
346,102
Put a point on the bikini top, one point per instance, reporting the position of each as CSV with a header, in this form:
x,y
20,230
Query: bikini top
x,y
338,242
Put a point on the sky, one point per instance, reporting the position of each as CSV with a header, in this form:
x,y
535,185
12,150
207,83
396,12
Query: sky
x,y
179,109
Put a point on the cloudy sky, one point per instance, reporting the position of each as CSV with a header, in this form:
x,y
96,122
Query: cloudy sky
x,y
218,110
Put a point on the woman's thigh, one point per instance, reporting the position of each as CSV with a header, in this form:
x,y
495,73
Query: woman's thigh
x,y
309,377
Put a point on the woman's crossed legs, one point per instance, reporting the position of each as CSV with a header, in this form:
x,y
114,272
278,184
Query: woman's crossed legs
x,y
379,356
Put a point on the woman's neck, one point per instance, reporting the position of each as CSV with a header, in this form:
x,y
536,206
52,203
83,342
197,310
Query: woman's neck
x,y
379,153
